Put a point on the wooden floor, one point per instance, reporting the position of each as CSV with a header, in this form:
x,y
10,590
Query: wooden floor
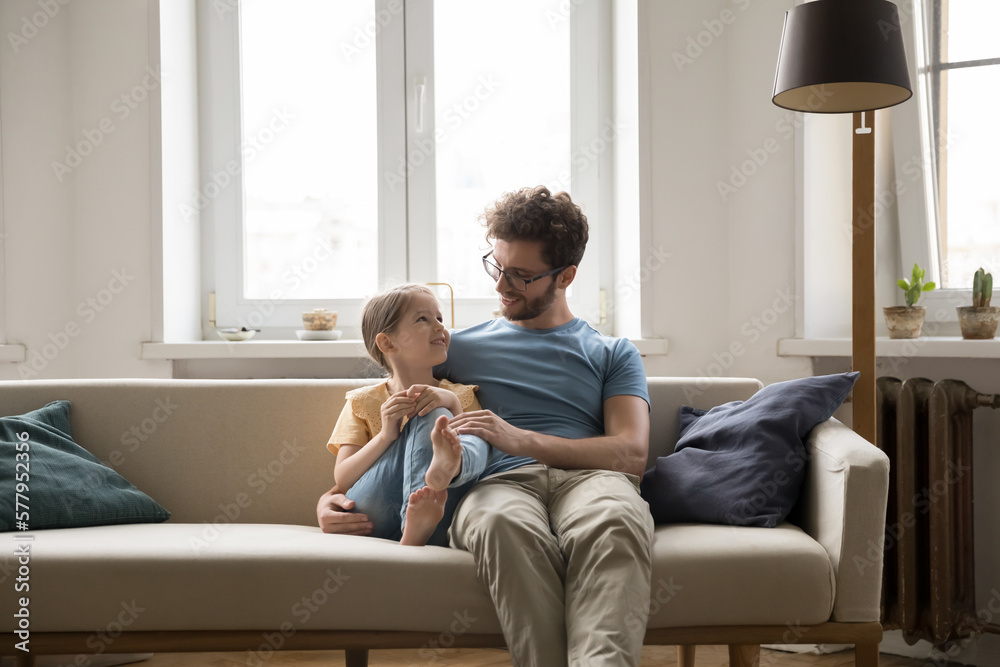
x,y
652,656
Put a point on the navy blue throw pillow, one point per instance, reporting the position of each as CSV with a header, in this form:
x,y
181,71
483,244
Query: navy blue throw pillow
x,y
742,463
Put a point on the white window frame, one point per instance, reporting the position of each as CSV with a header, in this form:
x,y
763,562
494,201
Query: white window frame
x,y
407,250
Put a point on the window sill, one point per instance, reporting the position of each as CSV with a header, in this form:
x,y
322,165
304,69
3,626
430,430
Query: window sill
x,y
13,353
295,349
925,346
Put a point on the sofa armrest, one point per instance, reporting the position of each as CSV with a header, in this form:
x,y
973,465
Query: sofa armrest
x,y
843,507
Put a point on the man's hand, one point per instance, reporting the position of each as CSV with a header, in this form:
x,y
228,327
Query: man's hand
x,y
428,398
623,447
333,517
494,430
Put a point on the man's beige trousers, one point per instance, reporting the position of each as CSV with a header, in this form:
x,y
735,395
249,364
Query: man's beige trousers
x,y
565,555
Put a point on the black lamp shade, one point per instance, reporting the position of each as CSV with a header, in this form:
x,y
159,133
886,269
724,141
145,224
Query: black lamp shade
x,y
840,56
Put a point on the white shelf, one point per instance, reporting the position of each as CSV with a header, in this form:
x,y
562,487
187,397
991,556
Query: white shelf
x,y
13,353
255,349
925,346
296,349
651,347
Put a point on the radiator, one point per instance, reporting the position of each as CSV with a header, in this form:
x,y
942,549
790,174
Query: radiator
x,y
925,428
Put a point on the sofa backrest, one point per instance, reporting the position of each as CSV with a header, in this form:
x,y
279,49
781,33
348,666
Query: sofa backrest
x,y
254,451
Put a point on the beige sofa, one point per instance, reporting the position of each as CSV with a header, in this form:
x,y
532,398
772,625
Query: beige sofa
x,y
241,565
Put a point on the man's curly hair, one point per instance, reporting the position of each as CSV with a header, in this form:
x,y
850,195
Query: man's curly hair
x,y
535,214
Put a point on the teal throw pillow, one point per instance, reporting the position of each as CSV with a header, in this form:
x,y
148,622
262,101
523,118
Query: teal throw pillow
x,y
49,481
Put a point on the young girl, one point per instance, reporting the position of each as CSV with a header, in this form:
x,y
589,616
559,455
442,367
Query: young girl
x,y
396,454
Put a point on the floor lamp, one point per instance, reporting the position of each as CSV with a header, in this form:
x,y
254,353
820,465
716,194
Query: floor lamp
x,y
846,56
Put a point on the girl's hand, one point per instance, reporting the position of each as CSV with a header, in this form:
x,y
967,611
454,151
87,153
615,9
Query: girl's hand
x,y
398,406
428,398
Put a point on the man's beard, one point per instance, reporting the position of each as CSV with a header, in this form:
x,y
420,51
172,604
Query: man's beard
x,y
531,308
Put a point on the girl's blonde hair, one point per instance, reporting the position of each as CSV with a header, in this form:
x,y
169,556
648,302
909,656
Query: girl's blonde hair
x,y
382,314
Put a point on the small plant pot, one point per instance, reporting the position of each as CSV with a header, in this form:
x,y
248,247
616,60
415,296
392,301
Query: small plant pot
x,y
904,321
978,323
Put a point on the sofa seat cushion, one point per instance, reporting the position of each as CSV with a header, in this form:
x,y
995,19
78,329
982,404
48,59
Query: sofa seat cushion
x,y
183,576
739,575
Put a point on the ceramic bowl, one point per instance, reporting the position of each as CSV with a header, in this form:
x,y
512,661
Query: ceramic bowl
x,y
236,334
318,335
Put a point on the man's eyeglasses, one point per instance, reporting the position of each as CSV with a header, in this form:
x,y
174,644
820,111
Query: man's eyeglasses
x,y
516,283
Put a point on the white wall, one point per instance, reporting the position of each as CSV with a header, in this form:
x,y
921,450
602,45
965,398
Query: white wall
x,y
77,249
721,307
725,288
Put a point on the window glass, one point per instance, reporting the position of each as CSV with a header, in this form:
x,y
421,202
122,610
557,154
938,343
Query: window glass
x,y
963,73
970,176
309,149
502,114
972,30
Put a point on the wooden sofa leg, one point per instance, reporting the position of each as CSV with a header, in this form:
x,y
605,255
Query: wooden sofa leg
x,y
744,655
685,656
356,657
866,655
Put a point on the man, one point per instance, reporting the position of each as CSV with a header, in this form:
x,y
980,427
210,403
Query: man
x,y
560,535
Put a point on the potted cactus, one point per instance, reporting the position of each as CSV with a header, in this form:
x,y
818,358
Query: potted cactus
x,y
979,321
905,321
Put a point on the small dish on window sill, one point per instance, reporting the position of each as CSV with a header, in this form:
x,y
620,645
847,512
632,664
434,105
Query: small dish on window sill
x,y
234,334
330,334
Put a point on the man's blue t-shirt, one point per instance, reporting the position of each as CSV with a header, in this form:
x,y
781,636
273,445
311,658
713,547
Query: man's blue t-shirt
x,y
551,381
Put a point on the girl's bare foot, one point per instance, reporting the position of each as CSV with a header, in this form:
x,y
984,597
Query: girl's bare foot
x,y
423,513
447,460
